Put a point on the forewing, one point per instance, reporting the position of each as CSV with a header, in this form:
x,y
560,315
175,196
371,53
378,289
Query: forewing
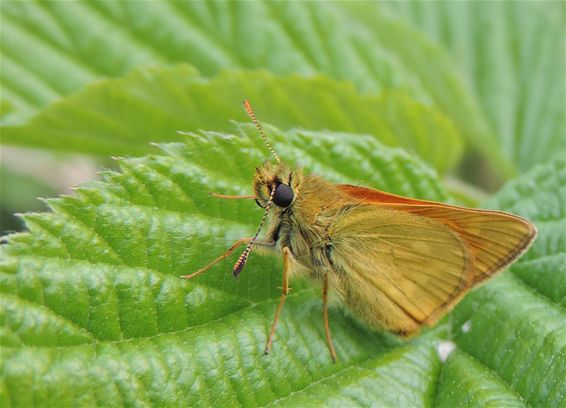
x,y
493,239
397,270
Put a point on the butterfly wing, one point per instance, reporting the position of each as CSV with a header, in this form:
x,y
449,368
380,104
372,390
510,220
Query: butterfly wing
x,y
404,263
493,238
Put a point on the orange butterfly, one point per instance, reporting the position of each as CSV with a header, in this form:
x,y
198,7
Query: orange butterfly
x,y
396,263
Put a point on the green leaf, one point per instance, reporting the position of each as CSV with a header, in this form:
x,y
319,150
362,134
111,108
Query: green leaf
x,y
467,383
516,325
122,116
306,38
94,312
541,197
401,378
92,309
513,54
280,37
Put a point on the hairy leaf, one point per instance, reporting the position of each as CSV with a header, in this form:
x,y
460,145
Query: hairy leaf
x,y
93,311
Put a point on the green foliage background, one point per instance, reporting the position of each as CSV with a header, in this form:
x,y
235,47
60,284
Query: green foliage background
x,y
412,98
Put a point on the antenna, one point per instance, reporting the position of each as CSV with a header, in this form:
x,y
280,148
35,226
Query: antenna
x,y
251,113
244,257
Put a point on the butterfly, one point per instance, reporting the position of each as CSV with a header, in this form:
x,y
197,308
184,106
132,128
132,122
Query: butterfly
x,y
395,263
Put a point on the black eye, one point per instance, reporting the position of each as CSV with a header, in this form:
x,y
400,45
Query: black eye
x,y
283,196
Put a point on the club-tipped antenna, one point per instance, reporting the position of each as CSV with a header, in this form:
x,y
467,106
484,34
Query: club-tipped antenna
x,y
251,113
244,257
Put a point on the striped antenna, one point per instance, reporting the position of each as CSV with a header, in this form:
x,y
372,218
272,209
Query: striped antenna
x,y
244,257
251,113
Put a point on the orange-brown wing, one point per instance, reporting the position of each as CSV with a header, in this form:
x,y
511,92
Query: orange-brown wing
x,y
402,263
493,239
397,270
379,197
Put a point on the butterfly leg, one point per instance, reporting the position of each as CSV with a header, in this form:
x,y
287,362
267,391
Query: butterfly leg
x,y
325,317
285,290
226,254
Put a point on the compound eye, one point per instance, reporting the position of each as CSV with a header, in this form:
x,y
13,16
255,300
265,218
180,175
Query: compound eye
x,y
283,196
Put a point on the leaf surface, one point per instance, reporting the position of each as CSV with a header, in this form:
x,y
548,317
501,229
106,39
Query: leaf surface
x,y
123,116
516,325
305,38
513,55
94,313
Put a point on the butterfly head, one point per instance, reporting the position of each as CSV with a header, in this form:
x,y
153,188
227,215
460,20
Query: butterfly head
x,y
275,186
276,183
